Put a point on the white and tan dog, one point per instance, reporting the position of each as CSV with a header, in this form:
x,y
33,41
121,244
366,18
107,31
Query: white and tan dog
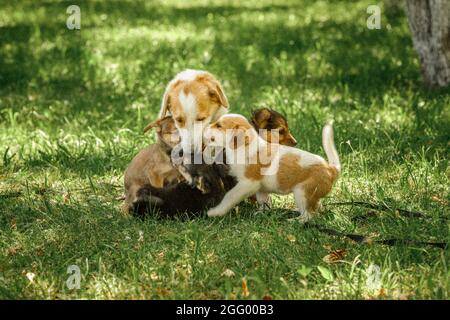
x,y
262,168
194,98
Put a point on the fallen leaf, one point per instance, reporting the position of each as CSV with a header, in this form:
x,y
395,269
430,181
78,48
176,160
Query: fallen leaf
x,y
438,200
291,238
335,256
30,276
228,273
245,292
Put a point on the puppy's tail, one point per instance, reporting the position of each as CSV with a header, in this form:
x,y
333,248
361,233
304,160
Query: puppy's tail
x,y
330,148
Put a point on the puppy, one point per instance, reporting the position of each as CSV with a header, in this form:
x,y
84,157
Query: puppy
x,y
152,165
271,122
210,183
205,184
261,168
194,98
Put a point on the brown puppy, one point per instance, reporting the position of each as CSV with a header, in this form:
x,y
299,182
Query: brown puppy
x,y
152,164
273,123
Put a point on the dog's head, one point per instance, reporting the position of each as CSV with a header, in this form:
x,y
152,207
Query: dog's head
x,y
272,126
166,130
194,99
230,131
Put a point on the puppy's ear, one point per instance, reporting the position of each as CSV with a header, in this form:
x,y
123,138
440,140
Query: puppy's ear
x,y
165,104
260,116
158,124
217,90
289,140
154,124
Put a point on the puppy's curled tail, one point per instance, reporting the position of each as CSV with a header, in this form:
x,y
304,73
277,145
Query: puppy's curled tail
x,y
330,148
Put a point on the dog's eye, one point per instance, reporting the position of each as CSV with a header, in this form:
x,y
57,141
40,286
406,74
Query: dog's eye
x,y
218,125
179,119
201,119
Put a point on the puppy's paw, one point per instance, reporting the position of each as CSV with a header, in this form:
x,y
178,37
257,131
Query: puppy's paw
x,y
215,212
302,218
184,172
264,206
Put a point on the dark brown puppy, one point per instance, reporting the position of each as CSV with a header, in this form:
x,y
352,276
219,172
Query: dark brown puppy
x,y
207,183
210,182
271,120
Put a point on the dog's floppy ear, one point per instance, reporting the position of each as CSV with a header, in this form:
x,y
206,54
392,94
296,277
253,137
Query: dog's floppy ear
x,y
165,104
259,116
217,90
157,124
154,124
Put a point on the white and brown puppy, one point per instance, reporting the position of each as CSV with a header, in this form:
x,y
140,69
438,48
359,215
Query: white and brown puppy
x,y
194,98
262,168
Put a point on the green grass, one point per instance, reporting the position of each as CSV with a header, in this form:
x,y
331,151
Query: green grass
x,y
73,105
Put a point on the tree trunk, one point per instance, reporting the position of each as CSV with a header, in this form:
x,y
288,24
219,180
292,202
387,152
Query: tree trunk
x,y
429,21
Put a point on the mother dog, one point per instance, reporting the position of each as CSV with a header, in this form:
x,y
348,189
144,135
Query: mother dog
x,y
194,98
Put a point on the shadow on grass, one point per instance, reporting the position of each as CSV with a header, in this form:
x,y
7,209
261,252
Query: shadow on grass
x,y
351,53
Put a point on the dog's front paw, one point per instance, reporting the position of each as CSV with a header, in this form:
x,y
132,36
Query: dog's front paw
x,y
302,218
215,212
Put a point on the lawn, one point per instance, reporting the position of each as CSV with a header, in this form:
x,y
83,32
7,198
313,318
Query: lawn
x,y
73,105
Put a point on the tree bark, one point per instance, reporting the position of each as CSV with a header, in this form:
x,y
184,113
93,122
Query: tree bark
x,y
429,22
